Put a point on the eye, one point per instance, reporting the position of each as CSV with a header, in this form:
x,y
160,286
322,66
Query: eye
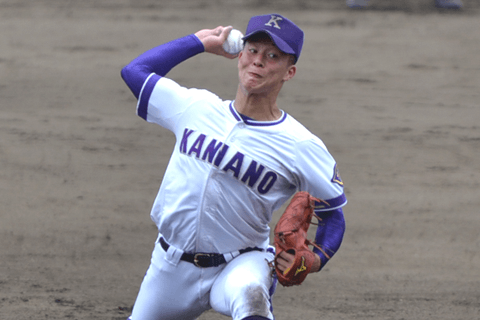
x,y
272,55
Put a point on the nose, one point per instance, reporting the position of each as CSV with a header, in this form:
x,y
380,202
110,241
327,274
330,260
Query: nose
x,y
258,61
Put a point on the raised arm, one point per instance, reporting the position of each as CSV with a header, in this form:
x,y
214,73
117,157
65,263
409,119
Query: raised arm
x,y
160,60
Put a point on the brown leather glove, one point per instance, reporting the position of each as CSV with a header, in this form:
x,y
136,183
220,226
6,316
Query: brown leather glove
x,y
291,236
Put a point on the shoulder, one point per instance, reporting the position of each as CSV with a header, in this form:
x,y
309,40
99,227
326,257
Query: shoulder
x,y
169,90
301,135
168,102
165,83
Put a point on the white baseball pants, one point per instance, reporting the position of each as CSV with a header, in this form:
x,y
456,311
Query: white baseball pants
x,y
174,289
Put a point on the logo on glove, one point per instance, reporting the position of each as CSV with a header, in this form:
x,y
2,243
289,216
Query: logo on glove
x,y
302,267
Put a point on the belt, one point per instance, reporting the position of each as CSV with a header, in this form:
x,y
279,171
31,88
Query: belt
x,y
204,260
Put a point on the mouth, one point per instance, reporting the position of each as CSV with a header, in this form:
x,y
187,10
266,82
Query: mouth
x,y
255,75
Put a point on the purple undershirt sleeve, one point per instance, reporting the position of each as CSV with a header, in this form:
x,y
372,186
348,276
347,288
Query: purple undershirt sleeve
x,y
330,233
160,60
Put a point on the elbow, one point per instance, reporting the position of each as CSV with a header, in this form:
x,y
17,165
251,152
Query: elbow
x,y
126,73
132,80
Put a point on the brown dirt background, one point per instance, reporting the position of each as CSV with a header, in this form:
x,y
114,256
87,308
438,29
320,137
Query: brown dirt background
x,y
392,90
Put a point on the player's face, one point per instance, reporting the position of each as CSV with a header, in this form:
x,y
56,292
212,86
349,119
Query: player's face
x,y
263,68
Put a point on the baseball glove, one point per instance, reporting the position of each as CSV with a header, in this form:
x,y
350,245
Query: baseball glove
x,y
291,236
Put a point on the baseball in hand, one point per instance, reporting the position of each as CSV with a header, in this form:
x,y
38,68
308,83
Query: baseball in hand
x,y
234,42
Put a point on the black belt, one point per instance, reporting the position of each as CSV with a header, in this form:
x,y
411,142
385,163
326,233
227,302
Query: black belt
x,y
204,260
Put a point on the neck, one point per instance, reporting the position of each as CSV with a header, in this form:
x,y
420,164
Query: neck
x,y
257,106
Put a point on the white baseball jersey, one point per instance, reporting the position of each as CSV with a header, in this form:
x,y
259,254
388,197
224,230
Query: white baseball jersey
x,y
228,173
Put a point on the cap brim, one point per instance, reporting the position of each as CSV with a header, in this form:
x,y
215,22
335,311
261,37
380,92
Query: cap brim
x,y
282,45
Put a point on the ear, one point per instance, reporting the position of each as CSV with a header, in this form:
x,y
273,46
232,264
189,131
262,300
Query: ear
x,y
292,70
240,54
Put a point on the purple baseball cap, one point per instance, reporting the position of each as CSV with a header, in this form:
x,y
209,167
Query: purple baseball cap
x,y
283,32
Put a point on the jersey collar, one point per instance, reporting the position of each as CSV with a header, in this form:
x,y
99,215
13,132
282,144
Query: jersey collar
x,y
252,122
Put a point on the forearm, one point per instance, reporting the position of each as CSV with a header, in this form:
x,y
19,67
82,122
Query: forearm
x,y
329,234
160,60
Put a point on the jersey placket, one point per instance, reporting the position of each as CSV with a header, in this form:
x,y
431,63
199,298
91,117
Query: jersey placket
x,y
204,242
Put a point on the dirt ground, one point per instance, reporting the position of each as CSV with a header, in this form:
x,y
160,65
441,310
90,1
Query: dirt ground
x,y
394,94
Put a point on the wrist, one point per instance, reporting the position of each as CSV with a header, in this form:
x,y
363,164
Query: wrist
x,y
316,264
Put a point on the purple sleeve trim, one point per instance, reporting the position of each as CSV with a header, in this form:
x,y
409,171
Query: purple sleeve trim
x,y
160,60
142,109
329,234
331,203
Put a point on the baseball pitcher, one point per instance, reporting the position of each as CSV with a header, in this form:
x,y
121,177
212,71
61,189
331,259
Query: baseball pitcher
x,y
234,163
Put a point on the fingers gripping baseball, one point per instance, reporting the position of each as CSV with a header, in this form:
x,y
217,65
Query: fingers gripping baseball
x,y
213,40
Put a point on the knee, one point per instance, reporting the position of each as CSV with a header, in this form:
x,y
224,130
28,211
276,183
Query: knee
x,y
255,292
254,300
